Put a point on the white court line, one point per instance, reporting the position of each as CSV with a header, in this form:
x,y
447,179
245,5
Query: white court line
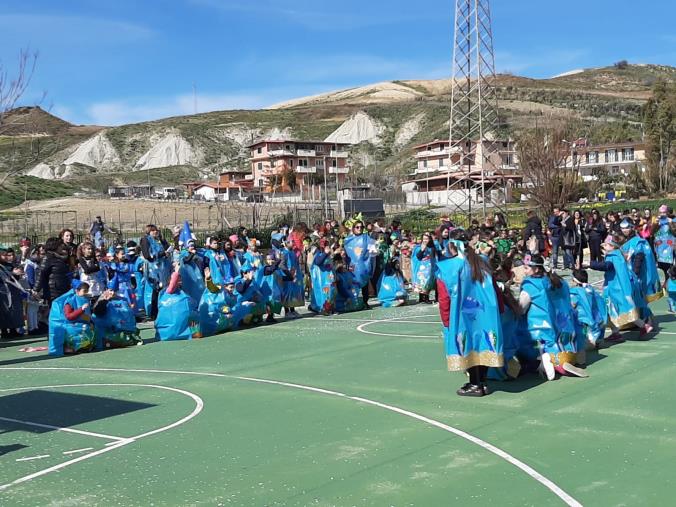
x,y
42,456
534,474
199,405
59,428
75,451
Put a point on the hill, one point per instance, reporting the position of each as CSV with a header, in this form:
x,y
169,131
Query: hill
x,y
383,120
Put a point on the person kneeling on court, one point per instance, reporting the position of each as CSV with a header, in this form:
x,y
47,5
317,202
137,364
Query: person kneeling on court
x,y
70,323
115,321
177,317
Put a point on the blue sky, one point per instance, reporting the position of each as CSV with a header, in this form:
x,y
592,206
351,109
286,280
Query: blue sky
x,y
120,61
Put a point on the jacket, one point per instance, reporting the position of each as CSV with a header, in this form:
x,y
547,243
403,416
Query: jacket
x,y
55,276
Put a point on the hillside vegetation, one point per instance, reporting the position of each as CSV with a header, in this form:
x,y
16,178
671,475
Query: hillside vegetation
x,y
607,102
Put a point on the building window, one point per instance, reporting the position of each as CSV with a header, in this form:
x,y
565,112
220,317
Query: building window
x,y
302,163
592,157
261,183
260,166
628,154
260,150
320,148
611,156
334,163
425,163
291,163
288,147
319,163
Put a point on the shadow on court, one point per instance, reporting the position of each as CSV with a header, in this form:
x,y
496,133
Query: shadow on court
x,y
6,449
59,409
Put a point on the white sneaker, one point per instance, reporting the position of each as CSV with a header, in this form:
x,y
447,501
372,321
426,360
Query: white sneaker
x,y
547,367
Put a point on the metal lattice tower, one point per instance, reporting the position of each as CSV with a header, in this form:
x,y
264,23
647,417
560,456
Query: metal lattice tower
x,y
474,111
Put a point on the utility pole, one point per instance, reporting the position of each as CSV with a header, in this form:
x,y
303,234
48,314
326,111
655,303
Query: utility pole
x,y
474,111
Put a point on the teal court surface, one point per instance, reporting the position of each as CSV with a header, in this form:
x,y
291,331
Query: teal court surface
x,y
354,409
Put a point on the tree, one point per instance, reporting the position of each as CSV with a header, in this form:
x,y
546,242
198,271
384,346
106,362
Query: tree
x,y
12,89
549,165
659,118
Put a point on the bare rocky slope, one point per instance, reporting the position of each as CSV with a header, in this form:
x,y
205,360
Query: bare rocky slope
x,y
382,120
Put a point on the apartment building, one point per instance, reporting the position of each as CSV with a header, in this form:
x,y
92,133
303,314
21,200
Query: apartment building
x,y
615,159
285,165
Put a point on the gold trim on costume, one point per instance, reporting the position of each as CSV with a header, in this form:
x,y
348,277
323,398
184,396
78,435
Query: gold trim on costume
x,y
485,358
625,319
654,297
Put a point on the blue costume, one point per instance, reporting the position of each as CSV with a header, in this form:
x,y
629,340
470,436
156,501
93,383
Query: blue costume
x,y
549,325
664,241
323,295
591,312
218,312
423,270
121,281
391,287
293,291
156,273
191,275
618,289
77,335
648,277
249,298
347,292
671,292
117,326
177,317
137,264
362,263
470,317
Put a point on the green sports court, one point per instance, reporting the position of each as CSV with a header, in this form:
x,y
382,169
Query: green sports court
x,y
355,409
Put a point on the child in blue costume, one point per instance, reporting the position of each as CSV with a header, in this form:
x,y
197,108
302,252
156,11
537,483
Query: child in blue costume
x,y
115,322
177,317
664,241
423,262
192,280
121,275
548,329
470,315
218,307
136,262
156,271
642,262
249,297
70,323
391,286
293,292
361,251
347,290
216,262
619,291
671,288
591,312
323,295
271,280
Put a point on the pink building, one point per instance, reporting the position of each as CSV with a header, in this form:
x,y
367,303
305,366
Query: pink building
x,y
285,165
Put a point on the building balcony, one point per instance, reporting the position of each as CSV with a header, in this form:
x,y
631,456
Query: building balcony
x,y
305,153
338,154
306,170
437,153
281,153
427,170
339,170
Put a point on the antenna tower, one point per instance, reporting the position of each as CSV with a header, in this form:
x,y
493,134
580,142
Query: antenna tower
x,y
475,159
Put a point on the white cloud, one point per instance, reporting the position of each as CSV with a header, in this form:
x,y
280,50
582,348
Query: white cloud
x,y
46,30
506,61
121,112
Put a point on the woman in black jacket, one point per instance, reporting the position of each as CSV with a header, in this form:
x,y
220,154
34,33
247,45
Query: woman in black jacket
x,y
579,223
55,273
596,233
534,228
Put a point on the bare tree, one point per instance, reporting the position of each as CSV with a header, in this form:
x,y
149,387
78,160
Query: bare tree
x,y
12,88
549,164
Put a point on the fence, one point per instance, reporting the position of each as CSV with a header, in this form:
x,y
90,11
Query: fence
x,y
128,218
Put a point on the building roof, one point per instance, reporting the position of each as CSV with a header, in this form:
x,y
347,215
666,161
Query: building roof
x,y
628,144
474,176
446,141
295,141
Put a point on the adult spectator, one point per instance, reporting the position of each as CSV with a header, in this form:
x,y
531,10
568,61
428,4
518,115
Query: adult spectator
x,y
554,226
67,237
55,273
568,239
596,233
97,231
11,295
533,229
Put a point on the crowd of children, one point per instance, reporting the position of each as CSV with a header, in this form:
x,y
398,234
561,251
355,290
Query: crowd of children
x,y
503,310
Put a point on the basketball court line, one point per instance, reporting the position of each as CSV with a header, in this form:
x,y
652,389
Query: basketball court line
x,y
111,446
534,474
58,428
